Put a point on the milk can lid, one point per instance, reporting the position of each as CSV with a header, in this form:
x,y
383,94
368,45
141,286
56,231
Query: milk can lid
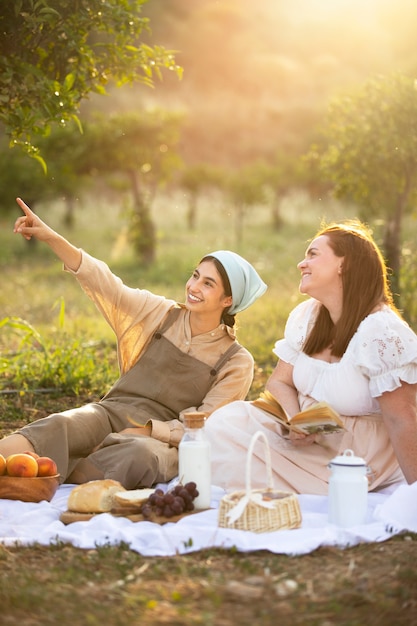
x,y
348,458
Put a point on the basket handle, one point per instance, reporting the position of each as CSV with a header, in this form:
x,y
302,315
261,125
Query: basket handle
x,y
255,437
256,497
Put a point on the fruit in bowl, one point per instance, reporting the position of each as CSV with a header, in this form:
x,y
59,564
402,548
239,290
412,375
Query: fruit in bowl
x,y
23,465
46,466
2,465
28,477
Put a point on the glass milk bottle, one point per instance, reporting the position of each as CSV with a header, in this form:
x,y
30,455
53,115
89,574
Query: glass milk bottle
x,y
348,490
194,458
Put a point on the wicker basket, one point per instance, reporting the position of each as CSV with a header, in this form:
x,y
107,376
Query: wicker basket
x,y
259,510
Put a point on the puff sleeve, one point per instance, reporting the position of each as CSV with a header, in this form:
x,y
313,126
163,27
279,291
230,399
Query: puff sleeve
x,y
386,352
298,326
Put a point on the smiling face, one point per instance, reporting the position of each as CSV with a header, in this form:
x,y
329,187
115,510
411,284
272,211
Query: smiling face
x,y
321,271
204,291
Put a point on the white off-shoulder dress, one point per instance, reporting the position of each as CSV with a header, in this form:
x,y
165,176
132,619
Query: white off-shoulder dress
x,y
381,354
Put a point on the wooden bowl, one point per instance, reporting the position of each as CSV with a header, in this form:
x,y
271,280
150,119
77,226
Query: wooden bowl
x,y
28,489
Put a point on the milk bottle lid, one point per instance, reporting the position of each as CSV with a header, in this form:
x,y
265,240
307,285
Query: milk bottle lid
x,y
194,419
348,458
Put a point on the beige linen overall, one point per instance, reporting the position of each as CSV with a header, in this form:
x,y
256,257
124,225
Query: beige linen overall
x,y
163,382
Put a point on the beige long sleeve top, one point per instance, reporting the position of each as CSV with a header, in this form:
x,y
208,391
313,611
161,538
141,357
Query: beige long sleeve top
x,y
134,315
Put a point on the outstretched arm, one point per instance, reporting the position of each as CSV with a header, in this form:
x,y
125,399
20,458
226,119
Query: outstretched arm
x,y
30,225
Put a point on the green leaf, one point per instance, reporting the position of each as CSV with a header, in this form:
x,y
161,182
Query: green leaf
x,y
40,160
78,122
69,81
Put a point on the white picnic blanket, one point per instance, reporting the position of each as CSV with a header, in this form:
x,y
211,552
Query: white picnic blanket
x,y
23,523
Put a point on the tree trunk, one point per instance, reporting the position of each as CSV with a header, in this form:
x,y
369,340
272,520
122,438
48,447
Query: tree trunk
x,y
144,237
69,216
392,248
276,218
192,211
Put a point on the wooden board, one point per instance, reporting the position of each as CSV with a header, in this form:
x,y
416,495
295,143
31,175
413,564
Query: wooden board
x,y
68,517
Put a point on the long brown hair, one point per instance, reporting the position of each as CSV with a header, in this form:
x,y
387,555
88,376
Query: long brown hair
x,y
365,285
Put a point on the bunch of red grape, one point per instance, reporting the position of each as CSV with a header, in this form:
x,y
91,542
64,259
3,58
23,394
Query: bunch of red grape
x,y
173,502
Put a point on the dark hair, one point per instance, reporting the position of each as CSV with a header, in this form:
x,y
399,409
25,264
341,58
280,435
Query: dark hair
x,y
365,285
227,319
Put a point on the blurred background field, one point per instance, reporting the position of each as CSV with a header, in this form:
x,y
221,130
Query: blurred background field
x,y
37,291
77,352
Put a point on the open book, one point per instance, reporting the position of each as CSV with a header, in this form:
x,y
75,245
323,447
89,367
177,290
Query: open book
x,y
318,418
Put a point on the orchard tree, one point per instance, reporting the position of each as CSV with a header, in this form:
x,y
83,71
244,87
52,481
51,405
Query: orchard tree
x,y
369,153
54,53
66,177
278,177
65,152
196,179
140,149
245,189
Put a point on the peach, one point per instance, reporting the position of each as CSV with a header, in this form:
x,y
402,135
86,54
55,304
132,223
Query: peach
x,y
46,466
2,465
32,453
21,464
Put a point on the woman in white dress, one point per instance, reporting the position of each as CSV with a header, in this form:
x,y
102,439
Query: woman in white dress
x,y
346,345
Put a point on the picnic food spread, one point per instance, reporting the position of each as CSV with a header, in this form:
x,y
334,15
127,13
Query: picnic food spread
x,y
109,496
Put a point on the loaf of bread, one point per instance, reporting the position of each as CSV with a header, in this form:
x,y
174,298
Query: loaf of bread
x,y
96,496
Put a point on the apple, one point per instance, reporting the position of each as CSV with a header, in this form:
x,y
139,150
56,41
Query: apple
x,y
21,464
2,465
46,466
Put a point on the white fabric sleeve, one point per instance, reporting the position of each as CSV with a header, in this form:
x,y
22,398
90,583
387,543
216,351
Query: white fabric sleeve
x,y
386,352
295,333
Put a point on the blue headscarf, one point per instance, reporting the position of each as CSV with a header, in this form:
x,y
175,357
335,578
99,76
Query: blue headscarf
x,y
245,282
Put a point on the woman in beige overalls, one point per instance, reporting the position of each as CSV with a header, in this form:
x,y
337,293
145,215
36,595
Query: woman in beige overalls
x,y
173,358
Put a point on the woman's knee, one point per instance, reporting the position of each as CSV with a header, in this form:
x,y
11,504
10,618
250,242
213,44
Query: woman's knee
x,y
133,463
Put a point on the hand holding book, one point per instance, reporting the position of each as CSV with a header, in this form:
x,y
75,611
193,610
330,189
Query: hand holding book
x,y
318,418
